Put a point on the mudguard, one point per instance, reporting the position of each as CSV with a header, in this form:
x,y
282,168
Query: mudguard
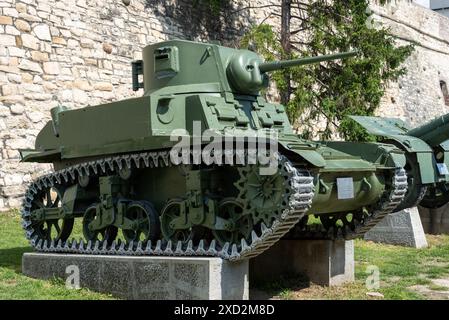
x,y
396,130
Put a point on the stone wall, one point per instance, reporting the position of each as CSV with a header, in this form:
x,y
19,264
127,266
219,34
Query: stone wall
x,y
78,53
417,97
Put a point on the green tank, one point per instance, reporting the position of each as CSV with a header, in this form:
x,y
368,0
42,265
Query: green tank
x,y
203,165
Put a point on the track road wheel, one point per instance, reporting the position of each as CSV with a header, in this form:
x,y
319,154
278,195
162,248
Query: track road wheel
x,y
146,219
55,229
171,211
231,209
107,234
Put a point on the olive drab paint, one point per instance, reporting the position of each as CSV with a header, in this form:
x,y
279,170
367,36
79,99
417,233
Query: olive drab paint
x,y
113,168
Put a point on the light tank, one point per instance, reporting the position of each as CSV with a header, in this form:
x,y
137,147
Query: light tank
x,y
119,170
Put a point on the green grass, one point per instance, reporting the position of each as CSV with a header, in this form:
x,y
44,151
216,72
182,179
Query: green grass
x,y
400,268
13,284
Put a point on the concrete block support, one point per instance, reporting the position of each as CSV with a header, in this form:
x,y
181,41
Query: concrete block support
x,y
323,262
401,228
146,277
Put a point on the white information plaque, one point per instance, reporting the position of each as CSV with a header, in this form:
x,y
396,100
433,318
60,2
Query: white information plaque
x,y
442,169
345,188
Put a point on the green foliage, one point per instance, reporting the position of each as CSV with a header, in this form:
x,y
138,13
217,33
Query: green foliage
x,y
214,5
331,91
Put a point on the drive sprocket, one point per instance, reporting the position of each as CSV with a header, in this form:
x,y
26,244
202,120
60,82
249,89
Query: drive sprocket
x,y
265,197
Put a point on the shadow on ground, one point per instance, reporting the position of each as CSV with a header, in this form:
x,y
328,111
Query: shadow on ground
x,y
278,288
11,258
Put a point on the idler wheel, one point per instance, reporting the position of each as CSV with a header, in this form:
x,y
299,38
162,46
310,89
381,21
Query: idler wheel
x,y
146,220
232,210
107,234
54,229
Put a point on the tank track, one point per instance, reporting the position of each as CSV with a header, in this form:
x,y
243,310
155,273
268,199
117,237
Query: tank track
x,y
300,181
384,207
422,194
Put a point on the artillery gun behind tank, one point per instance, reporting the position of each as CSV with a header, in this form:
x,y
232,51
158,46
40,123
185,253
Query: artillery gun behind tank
x,y
427,152
115,168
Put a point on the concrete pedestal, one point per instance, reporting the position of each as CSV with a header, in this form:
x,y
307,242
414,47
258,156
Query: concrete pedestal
x,y
435,221
328,263
401,228
146,277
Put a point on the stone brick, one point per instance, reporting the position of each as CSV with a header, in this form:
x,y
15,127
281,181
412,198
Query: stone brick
x,y
22,25
17,109
9,89
73,43
13,61
14,78
4,111
42,31
32,87
30,41
36,116
16,52
30,66
7,40
107,47
38,96
10,12
26,77
49,86
80,96
12,30
91,62
29,17
12,99
44,6
103,86
83,85
9,69
59,40
52,68
86,43
21,7
37,79
39,56
5,20
13,179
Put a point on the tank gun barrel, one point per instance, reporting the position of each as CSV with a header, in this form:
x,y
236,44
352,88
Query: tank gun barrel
x,y
434,132
277,65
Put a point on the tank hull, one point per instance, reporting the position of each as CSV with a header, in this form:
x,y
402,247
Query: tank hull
x,y
201,164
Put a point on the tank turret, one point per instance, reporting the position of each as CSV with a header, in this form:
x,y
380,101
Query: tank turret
x,y
213,67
